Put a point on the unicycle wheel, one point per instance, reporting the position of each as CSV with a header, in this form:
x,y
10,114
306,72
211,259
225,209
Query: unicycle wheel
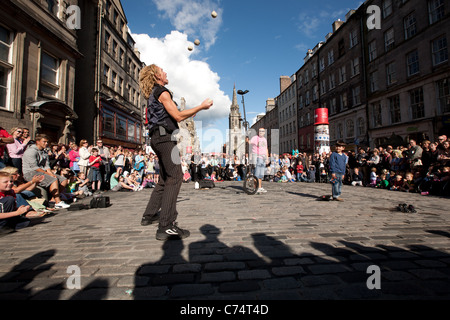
x,y
251,185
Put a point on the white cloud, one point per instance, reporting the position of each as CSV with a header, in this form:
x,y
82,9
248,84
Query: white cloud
x,y
193,17
188,78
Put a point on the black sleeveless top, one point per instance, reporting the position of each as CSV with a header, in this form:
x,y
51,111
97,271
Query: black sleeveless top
x,y
156,114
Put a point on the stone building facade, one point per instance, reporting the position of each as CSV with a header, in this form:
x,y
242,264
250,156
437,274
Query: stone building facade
x,y
38,65
108,95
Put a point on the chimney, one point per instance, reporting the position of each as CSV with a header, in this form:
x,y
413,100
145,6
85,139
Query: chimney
x,y
337,25
285,82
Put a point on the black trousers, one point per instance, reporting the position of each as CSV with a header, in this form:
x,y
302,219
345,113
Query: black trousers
x,y
165,194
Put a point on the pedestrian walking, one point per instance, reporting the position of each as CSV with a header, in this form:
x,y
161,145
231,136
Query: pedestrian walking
x,y
162,120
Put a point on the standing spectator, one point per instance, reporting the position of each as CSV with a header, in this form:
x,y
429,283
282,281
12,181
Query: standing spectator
x,y
260,157
74,157
35,161
414,154
105,165
139,163
5,138
17,149
441,140
444,154
338,164
85,153
94,163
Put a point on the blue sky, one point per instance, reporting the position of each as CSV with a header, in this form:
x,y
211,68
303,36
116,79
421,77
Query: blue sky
x,y
251,44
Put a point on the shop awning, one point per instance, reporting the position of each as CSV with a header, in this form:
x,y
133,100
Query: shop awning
x,y
54,107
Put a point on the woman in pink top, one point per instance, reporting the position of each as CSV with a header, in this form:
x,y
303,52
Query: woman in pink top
x,y
74,156
260,157
17,148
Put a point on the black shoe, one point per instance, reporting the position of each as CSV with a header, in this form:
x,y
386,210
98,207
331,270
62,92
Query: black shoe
x,y
146,221
411,209
172,232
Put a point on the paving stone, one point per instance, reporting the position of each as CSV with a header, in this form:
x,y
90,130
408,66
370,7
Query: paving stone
x,y
241,250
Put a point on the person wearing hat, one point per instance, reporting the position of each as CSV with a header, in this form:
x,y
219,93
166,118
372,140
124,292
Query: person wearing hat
x,y
338,163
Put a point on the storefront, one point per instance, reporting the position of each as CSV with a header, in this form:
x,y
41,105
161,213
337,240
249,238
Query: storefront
x,y
119,127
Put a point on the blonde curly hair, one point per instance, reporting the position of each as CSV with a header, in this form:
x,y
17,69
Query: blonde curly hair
x,y
147,79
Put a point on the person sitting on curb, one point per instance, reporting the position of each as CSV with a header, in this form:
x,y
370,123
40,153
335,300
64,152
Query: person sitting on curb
x,y
35,161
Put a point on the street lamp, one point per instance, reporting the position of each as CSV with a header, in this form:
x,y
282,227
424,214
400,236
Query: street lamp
x,y
242,93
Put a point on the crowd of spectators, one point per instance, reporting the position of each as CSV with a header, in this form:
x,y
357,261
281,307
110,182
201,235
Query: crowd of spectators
x,y
44,176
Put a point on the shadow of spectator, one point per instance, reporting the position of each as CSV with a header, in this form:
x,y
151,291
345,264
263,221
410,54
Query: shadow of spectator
x,y
21,275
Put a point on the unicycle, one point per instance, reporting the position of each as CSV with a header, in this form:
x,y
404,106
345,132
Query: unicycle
x,y
250,182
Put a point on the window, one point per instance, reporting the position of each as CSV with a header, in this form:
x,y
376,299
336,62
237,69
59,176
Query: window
x,y
121,127
306,76
410,26
322,64
377,119
391,74
372,50
333,108
353,38
356,95
120,86
417,105
300,102
300,81
131,131
394,108
49,75
114,80
114,49
412,61
330,57
355,67
344,101
389,40
108,122
340,131
361,128
439,50
5,66
332,81
341,48
106,75
350,128
315,93
387,8
444,95
342,74
436,10
107,41
307,99
323,87
52,6
373,81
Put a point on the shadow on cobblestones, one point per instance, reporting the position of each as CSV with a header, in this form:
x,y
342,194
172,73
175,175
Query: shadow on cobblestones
x,y
276,272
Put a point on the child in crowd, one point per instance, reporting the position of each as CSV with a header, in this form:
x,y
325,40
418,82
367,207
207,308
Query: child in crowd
x,y
383,183
148,182
94,162
373,177
82,182
13,217
408,185
397,184
300,171
357,178
288,174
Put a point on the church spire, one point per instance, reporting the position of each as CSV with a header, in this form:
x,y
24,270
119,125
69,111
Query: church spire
x,y
235,102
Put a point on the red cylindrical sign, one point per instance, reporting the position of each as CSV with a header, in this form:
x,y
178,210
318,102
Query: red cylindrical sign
x,y
321,116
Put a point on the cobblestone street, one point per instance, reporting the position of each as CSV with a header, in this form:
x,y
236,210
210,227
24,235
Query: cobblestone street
x,y
283,245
